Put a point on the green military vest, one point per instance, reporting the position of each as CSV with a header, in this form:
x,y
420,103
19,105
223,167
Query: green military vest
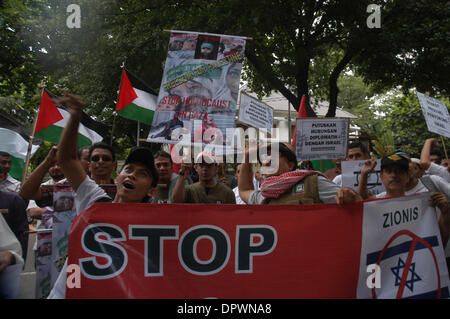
x,y
305,192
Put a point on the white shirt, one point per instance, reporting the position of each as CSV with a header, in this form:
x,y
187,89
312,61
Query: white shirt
x,y
439,170
10,184
338,180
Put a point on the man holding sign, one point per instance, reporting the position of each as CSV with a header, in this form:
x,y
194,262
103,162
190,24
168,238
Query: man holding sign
x,y
356,151
395,175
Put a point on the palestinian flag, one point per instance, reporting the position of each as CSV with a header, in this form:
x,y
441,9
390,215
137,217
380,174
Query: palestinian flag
x,y
53,118
136,100
14,139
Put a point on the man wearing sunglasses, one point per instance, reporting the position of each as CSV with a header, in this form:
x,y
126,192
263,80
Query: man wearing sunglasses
x,y
102,163
206,190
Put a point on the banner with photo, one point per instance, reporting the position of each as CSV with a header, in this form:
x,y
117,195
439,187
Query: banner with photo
x,y
44,264
64,212
199,89
53,235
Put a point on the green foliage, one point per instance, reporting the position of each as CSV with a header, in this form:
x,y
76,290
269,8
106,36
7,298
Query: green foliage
x,y
295,49
384,144
40,155
407,123
411,50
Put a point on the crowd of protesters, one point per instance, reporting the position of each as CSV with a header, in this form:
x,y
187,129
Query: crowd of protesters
x,y
148,177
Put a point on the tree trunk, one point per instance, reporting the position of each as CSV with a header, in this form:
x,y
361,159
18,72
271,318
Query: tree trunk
x,y
334,90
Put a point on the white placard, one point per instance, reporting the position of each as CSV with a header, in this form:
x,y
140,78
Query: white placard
x,y
436,114
255,113
321,138
401,236
351,172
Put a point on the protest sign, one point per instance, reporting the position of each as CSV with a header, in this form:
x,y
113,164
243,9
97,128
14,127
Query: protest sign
x,y
255,113
436,114
199,89
221,251
351,172
232,251
324,138
53,235
45,270
402,238
64,212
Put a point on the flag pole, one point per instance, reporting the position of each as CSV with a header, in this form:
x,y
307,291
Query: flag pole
x,y
300,114
138,130
30,143
115,114
112,128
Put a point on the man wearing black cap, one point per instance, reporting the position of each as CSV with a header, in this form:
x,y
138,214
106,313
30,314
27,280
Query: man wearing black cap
x,y
135,182
284,184
395,175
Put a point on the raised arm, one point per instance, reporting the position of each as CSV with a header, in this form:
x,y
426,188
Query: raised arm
x,y
245,180
425,161
67,147
178,195
367,168
30,189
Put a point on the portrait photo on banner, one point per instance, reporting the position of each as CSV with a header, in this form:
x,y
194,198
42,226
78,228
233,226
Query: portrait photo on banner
x,y
199,89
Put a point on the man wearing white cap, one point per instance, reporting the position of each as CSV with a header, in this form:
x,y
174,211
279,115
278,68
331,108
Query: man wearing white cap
x,y
206,190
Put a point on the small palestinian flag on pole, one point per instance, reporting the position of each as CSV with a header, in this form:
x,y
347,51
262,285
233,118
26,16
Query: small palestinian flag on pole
x,y
14,140
136,100
53,118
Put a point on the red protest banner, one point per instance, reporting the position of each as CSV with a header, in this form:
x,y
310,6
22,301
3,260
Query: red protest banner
x,y
221,251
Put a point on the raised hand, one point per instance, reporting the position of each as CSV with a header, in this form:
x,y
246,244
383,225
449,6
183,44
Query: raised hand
x,y
368,167
72,102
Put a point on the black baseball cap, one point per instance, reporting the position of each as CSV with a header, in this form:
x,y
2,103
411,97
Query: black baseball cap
x,y
144,156
284,151
395,159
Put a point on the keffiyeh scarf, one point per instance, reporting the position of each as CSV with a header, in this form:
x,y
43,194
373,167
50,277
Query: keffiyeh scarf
x,y
274,186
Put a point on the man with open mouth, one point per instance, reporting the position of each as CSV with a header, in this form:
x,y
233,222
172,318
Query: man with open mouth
x,y
135,182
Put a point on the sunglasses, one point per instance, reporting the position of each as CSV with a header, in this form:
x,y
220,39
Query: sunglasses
x,y
97,158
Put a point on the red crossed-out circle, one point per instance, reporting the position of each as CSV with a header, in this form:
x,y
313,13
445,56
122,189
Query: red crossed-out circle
x,y
415,240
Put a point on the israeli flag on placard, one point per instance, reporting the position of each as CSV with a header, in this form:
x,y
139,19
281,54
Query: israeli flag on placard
x,y
401,237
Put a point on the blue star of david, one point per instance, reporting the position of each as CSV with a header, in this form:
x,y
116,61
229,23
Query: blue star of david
x,y
398,274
